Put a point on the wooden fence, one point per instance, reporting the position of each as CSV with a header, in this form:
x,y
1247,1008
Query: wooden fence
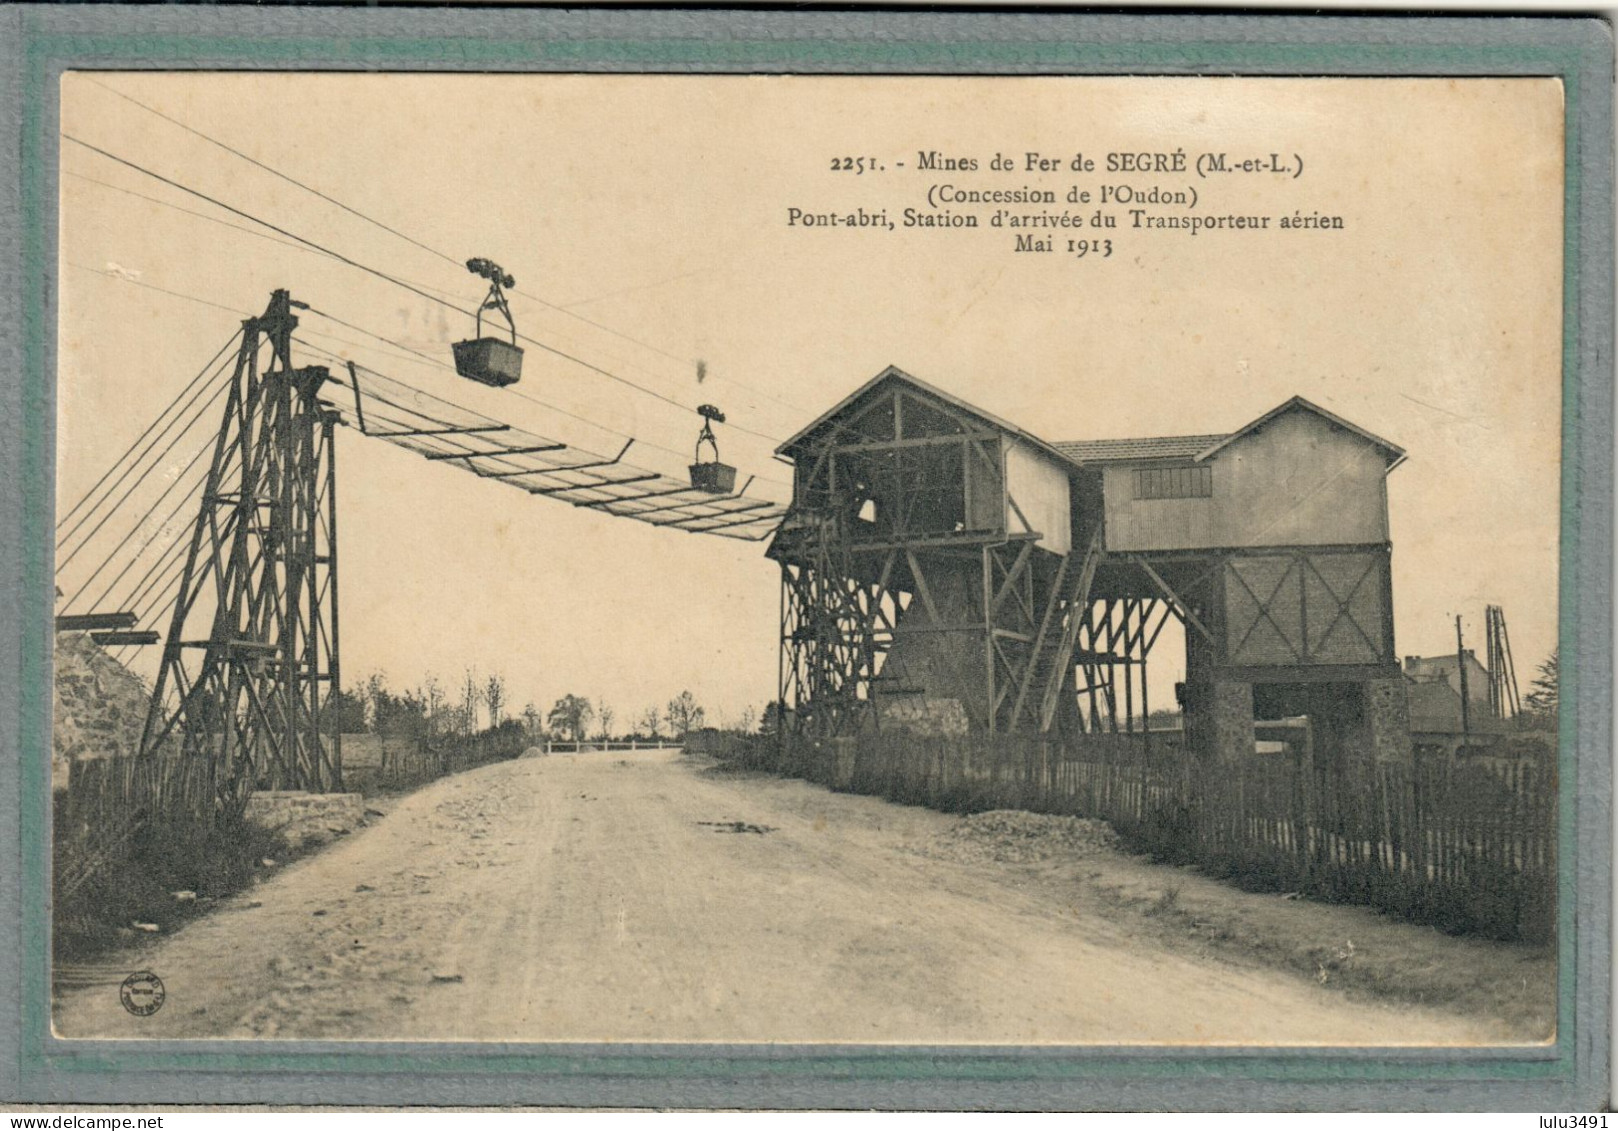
x,y
605,746
109,800
1467,847
405,762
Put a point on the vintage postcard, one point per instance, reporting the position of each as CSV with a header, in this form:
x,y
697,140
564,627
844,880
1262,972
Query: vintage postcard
x,y
1040,562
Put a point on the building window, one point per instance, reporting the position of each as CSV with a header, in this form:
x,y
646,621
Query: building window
x,y
1194,482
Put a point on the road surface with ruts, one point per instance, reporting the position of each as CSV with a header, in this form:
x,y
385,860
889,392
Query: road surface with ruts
x,y
650,896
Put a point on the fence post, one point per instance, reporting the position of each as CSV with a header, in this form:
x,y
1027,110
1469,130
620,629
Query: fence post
x,y
1307,799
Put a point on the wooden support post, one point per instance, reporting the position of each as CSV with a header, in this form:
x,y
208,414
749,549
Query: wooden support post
x,y
1145,699
1129,675
988,638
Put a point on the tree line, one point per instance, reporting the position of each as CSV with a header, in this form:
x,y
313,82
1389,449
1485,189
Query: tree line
x,y
480,704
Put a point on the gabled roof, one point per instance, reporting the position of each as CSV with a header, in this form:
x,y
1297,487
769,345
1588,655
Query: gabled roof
x,y
1079,452
1146,447
1199,448
1391,452
894,373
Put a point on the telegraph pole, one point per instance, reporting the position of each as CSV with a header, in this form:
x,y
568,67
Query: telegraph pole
x,y
1460,665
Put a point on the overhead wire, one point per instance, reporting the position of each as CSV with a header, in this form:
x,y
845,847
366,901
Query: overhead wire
x,y
168,593
302,248
208,443
441,364
164,561
445,256
62,547
173,567
143,587
160,290
422,358
273,171
201,374
169,204
161,526
404,285
63,541
165,572
412,357
155,614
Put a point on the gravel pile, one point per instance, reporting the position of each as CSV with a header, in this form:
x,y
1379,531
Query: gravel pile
x,y
1011,836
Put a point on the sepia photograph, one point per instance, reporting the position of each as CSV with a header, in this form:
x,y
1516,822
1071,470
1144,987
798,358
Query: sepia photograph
x,y
993,560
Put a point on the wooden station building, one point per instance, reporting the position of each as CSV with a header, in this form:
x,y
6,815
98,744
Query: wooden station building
x,y
946,571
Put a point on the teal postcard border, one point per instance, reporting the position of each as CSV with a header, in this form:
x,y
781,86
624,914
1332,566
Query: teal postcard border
x,y
1571,1074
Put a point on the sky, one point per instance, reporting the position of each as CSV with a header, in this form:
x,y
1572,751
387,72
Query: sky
x,y
645,220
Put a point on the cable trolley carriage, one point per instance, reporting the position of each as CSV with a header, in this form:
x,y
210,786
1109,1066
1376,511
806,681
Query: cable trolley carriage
x,y
490,360
710,475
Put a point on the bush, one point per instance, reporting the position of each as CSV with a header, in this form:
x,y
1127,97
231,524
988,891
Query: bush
x,y
138,881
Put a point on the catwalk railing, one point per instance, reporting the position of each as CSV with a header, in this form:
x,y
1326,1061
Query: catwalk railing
x,y
1468,846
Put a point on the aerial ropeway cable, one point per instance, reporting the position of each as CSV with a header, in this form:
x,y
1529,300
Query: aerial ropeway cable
x,y
391,230
202,375
145,572
389,278
490,360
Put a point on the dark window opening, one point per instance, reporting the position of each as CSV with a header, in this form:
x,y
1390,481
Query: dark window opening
x,y
922,420
1193,482
903,491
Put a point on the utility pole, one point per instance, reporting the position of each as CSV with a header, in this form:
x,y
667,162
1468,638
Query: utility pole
x,y
1460,664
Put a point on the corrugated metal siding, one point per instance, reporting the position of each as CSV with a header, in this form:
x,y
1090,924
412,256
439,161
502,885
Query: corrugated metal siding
x,y
1298,481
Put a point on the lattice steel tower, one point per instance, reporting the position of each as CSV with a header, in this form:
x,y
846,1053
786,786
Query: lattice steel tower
x,y
251,657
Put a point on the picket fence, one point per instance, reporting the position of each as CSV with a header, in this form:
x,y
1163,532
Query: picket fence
x,y
109,800
1467,846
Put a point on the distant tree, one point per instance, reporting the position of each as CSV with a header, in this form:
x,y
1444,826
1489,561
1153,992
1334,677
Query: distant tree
x,y
451,720
374,688
507,740
471,693
1543,700
683,715
346,712
650,724
749,721
494,694
771,722
533,722
400,716
571,716
432,694
604,716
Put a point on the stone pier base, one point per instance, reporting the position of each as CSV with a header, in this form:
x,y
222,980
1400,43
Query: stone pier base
x,y
306,819
1231,711
1387,720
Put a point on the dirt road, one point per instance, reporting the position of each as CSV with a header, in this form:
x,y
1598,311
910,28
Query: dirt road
x,y
644,897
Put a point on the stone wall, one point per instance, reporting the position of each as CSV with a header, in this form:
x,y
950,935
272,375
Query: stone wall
x,y
924,714
306,819
99,706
